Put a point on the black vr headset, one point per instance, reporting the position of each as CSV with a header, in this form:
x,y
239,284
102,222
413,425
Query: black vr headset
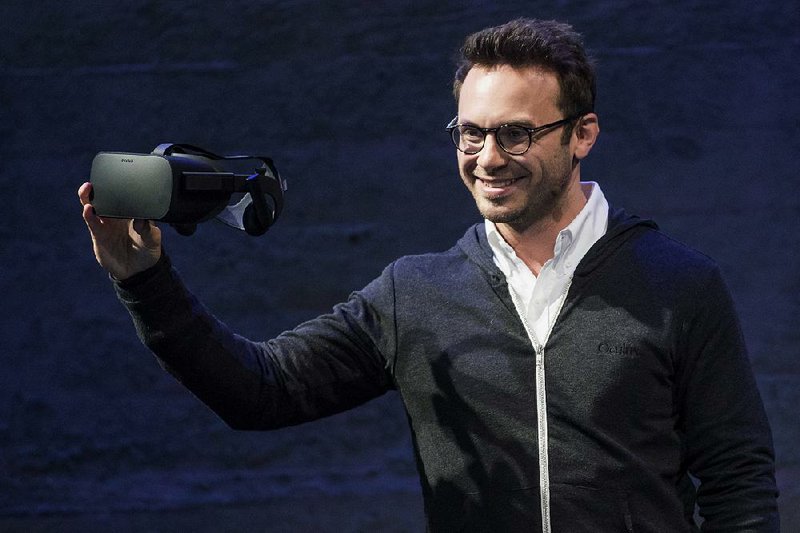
x,y
182,185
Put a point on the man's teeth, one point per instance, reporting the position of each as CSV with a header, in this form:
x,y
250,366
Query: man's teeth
x,y
499,184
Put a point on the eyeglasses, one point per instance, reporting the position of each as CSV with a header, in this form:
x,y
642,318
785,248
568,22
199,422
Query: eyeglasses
x,y
512,138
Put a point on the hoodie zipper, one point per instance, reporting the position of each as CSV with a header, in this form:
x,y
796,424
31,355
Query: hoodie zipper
x,y
541,405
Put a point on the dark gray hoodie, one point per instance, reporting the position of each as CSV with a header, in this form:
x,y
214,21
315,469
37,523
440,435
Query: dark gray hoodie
x,y
643,380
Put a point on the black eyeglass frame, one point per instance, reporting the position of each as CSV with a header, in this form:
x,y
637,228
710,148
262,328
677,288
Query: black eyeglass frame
x,y
531,132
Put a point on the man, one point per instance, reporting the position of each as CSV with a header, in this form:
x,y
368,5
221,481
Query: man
x,y
564,367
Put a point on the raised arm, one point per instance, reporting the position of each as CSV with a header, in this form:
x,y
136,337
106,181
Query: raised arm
x,y
323,366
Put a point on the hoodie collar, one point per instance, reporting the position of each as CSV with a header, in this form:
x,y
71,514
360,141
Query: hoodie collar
x,y
475,245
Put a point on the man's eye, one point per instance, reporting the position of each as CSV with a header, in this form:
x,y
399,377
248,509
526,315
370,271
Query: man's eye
x,y
515,134
471,133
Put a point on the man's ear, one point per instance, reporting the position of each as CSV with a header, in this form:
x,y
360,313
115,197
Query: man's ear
x,y
585,134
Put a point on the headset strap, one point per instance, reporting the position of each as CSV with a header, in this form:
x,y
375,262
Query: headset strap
x,y
166,149
274,186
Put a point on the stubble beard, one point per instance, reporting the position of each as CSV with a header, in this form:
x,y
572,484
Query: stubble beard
x,y
542,204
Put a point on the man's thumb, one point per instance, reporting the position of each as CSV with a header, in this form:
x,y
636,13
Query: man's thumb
x,y
144,228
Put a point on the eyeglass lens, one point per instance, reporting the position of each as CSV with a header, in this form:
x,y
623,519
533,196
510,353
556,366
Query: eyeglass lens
x,y
513,139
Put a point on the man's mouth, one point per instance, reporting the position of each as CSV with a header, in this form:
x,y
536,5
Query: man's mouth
x,y
497,184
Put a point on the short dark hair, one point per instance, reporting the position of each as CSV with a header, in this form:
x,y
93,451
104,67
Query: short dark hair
x,y
548,44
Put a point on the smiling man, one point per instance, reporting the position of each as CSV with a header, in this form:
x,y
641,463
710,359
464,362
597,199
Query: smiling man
x,y
564,367
525,179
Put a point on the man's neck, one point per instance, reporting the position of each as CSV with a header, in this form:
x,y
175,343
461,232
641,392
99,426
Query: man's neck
x,y
535,244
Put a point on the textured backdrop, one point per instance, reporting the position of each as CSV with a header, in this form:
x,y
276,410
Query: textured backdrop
x,y
699,112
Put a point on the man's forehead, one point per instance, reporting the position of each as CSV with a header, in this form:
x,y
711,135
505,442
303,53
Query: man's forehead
x,y
502,91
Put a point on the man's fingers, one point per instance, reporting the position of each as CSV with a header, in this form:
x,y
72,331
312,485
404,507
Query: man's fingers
x,y
146,229
122,246
141,226
98,226
85,193
90,217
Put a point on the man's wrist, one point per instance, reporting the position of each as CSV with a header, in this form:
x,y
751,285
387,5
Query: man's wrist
x,y
140,278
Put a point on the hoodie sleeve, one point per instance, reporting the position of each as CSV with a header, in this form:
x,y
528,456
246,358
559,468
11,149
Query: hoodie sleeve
x,y
322,367
728,444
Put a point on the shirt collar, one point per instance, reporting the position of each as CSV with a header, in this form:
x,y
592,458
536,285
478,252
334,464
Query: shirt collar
x,y
572,242
503,254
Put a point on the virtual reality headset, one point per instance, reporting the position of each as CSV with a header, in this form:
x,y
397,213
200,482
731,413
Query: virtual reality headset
x,y
184,185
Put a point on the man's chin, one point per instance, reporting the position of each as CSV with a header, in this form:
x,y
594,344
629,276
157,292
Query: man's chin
x,y
501,216
517,219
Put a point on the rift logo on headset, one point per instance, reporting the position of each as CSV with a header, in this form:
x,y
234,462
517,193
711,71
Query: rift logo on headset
x,y
184,185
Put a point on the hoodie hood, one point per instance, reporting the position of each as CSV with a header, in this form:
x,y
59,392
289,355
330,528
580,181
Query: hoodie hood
x,y
621,227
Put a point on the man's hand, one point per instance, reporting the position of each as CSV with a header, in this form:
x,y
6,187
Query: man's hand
x,y
123,247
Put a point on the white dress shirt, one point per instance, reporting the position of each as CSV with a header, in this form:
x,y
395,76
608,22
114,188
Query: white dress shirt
x,y
538,300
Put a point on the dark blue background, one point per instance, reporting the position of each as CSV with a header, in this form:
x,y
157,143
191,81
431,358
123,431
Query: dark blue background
x,y
699,111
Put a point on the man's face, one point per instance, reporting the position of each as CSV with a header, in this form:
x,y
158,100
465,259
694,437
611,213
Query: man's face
x,y
518,190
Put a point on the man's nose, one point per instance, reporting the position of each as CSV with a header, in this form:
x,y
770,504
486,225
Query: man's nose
x,y
492,155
